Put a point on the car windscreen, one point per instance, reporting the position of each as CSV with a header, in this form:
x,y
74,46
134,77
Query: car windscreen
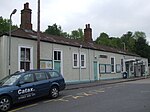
x,y
9,80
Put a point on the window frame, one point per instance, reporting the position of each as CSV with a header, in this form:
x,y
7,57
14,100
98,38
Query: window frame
x,y
46,78
51,77
79,60
19,57
113,65
58,55
22,82
83,54
75,60
122,65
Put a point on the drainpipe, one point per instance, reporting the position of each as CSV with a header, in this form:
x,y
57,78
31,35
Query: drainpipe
x,y
89,64
80,62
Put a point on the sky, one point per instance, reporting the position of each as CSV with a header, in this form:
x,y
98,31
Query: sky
x,y
114,17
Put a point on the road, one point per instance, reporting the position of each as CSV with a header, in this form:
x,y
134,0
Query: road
x,y
123,97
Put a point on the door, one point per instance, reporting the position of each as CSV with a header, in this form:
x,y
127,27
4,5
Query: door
x,y
26,88
42,84
57,66
57,60
95,71
127,68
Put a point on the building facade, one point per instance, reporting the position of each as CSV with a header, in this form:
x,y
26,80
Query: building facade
x,y
76,60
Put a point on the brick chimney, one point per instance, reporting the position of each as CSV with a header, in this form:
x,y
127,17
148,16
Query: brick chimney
x,y
26,17
88,33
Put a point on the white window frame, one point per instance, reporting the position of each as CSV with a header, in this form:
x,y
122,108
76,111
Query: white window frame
x,y
114,64
57,55
31,56
83,60
79,59
74,60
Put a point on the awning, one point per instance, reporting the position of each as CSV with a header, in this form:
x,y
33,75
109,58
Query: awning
x,y
132,60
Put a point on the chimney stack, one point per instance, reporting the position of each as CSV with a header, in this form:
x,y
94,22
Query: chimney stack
x,y
88,33
26,17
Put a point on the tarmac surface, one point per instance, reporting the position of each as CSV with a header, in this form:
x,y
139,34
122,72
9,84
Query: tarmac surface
x,y
102,82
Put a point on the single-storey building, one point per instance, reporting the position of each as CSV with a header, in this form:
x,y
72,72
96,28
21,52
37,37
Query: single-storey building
x,y
76,60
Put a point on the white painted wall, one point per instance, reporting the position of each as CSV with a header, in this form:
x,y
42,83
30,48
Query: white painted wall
x,y
69,73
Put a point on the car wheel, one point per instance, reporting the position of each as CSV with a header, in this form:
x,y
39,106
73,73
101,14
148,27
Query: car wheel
x,y
5,103
54,92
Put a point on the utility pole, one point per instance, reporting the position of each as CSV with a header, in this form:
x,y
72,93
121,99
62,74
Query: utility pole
x,y
38,36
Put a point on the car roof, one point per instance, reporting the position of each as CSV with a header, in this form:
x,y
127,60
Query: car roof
x,y
33,70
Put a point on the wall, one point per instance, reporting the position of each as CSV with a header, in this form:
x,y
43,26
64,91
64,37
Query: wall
x,y
16,42
70,74
106,61
4,56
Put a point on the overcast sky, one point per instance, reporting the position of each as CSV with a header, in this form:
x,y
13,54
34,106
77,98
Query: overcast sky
x,y
114,17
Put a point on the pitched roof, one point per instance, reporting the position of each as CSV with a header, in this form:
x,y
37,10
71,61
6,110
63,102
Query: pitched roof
x,y
30,34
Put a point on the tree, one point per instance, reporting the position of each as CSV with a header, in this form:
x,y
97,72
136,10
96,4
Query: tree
x,y
103,39
77,34
5,24
129,41
142,48
116,42
139,34
56,30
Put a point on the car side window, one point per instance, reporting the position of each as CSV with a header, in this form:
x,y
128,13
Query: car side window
x,y
28,78
41,76
53,74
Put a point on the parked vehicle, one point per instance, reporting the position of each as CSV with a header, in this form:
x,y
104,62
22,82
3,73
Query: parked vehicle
x,y
23,86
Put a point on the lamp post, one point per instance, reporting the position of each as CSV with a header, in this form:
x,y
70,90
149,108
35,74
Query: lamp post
x,y
10,24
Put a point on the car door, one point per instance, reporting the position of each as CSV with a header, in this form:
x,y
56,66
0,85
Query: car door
x,y
42,83
26,88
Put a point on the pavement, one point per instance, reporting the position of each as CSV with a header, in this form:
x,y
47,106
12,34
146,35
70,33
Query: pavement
x,y
102,82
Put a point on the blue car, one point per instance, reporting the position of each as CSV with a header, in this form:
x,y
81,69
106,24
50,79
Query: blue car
x,y
23,86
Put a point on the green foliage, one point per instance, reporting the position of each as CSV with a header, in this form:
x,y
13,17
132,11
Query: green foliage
x,y
103,39
116,42
142,47
135,43
77,34
139,34
129,41
5,24
54,30
57,30
132,42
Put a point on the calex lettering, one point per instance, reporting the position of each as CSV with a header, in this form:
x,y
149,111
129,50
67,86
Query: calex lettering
x,y
23,91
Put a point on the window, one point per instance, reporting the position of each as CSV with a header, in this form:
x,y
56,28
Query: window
x,y
112,64
102,68
122,65
83,64
25,58
40,76
53,74
57,55
118,68
27,79
75,60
